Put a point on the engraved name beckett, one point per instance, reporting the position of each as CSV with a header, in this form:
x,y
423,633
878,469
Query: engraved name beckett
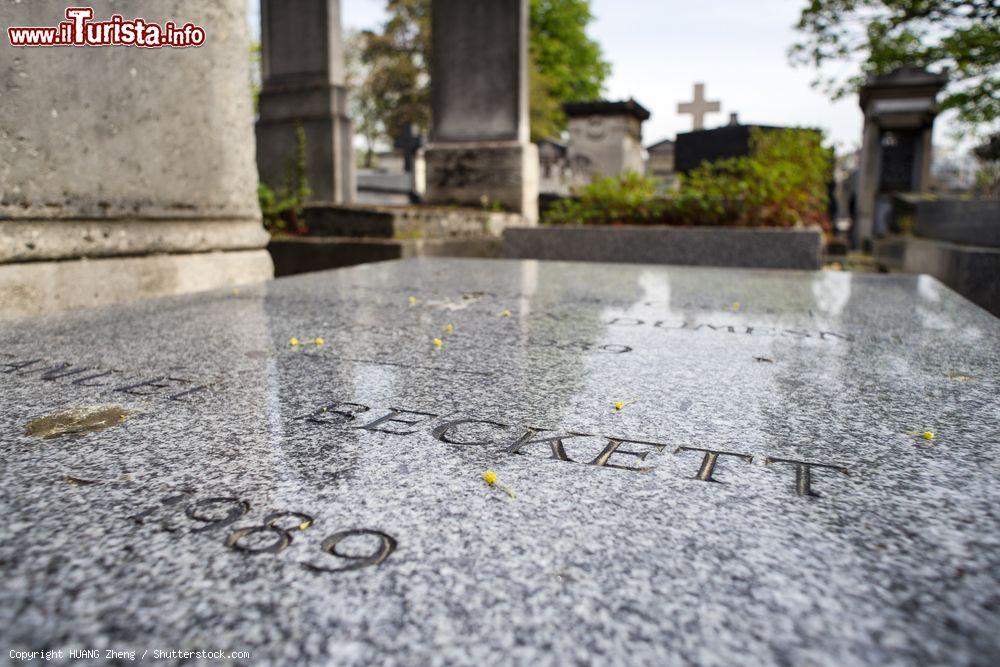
x,y
602,450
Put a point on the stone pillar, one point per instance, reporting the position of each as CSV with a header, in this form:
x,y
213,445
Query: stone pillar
x,y
867,185
899,109
479,150
126,172
302,57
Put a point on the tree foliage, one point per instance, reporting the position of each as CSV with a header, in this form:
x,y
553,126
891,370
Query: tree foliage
x,y
961,35
393,89
566,65
782,183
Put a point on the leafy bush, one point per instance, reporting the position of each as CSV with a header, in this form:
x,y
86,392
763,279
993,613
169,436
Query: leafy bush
x,y
282,211
782,183
627,199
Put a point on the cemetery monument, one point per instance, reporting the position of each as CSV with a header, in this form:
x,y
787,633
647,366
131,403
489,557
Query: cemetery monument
x,y
302,57
899,109
448,460
120,178
479,149
481,461
698,107
605,138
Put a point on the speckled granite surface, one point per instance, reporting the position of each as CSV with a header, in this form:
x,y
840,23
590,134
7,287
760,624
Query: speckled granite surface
x,y
326,503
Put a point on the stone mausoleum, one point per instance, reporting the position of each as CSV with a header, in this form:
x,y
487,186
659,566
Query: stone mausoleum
x,y
605,138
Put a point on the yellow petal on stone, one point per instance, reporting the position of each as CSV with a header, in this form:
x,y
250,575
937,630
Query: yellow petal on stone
x,y
319,341
449,329
438,343
293,342
504,313
928,435
490,477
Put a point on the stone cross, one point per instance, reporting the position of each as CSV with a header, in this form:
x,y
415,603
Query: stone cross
x,y
409,142
698,107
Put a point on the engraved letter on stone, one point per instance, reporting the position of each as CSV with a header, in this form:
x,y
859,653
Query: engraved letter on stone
x,y
803,473
709,460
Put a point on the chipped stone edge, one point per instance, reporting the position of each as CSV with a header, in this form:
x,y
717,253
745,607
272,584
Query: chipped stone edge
x,y
24,241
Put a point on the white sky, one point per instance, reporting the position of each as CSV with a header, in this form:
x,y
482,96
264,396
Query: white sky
x,y
659,48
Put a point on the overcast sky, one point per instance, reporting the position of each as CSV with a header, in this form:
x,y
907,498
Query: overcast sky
x,y
659,48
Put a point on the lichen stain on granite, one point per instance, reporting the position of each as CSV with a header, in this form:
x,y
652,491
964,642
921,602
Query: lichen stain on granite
x,y
76,421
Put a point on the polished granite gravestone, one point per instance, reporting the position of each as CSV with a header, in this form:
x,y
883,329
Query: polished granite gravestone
x,y
179,476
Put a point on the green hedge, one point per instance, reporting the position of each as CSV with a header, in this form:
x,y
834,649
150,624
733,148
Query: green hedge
x,y
782,183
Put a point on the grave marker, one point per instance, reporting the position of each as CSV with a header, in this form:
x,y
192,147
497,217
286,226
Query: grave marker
x,y
479,151
680,493
698,107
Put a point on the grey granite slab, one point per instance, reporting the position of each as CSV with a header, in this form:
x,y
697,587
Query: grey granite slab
x,y
974,222
763,496
746,247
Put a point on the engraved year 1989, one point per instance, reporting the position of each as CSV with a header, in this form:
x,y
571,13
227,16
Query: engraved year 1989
x,y
275,533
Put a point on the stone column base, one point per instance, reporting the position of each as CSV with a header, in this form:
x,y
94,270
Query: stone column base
x,y
34,288
478,173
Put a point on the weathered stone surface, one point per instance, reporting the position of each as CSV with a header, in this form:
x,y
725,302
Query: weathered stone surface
x,y
30,288
303,87
479,148
490,174
605,139
972,271
965,221
111,132
478,85
31,241
128,152
407,222
224,511
302,254
758,247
